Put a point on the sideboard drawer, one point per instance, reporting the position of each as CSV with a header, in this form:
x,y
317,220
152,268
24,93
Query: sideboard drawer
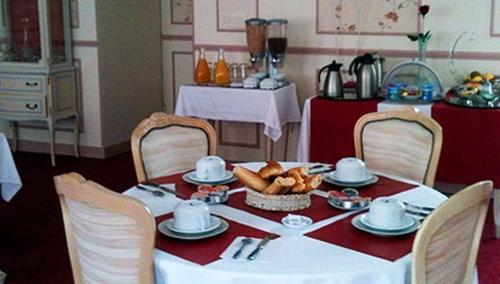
x,y
22,84
22,106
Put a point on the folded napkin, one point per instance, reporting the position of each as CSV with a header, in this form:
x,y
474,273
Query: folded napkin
x,y
157,205
267,254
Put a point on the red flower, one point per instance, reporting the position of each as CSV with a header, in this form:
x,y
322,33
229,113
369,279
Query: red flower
x,y
424,9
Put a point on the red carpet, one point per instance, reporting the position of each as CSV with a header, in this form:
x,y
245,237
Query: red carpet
x,y
32,243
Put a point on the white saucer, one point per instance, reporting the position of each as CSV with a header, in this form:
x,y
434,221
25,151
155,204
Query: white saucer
x,y
191,178
162,227
296,221
328,178
333,176
214,223
360,226
365,220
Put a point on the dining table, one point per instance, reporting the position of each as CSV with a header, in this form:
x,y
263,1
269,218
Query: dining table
x,y
330,250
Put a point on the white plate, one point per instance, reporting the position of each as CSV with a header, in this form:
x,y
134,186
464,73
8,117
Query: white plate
x,y
329,179
162,227
365,220
214,223
360,226
333,176
192,176
296,221
188,178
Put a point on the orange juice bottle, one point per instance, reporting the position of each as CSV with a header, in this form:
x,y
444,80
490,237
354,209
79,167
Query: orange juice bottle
x,y
202,72
221,71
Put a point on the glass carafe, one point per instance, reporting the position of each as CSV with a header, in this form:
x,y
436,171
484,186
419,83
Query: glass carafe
x,y
221,71
202,71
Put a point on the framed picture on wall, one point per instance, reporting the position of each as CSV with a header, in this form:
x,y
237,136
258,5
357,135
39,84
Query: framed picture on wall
x,y
181,12
374,17
495,18
231,14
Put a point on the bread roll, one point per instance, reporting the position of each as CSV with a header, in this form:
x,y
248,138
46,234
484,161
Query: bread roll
x,y
272,169
250,179
279,183
298,187
312,182
302,171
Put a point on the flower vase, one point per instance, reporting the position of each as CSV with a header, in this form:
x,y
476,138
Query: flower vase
x,y
422,49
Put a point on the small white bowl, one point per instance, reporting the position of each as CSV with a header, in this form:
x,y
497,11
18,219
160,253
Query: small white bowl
x,y
296,221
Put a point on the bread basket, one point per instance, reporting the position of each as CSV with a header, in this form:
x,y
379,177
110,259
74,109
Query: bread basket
x,y
271,202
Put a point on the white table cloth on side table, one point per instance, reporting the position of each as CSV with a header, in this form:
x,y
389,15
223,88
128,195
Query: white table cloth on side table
x,y
10,182
293,258
273,108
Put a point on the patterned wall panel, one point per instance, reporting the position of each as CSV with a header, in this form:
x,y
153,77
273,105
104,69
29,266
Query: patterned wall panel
x,y
374,17
182,71
231,14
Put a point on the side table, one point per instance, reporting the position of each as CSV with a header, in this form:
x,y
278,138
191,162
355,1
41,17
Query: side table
x,y
273,108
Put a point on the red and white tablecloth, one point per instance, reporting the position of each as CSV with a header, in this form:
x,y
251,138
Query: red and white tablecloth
x,y
471,151
329,250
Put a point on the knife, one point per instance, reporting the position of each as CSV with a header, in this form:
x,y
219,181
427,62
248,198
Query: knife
x,y
260,246
423,208
164,188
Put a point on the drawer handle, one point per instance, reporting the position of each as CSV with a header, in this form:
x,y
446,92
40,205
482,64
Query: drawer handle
x,y
28,106
29,84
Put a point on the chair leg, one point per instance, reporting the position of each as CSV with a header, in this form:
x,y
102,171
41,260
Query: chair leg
x,y
496,212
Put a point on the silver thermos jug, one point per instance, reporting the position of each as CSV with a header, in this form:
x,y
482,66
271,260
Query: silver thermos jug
x,y
379,68
333,86
366,76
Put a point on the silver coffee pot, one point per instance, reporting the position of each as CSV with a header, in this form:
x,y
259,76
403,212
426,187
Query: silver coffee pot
x,y
366,76
333,86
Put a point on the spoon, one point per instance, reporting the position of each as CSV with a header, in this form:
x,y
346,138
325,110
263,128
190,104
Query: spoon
x,y
244,242
154,192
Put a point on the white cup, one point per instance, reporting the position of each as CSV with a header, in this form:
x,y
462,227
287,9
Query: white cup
x,y
387,213
210,168
351,170
191,216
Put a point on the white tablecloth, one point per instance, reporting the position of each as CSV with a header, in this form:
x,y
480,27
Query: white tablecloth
x,y
273,108
303,148
10,182
293,258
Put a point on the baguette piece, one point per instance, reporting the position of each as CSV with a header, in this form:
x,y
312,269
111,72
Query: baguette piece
x,y
312,182
250,179
299,187
272,169
302,171
279,183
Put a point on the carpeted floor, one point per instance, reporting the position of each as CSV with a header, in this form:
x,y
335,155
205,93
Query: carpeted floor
x,y
32,243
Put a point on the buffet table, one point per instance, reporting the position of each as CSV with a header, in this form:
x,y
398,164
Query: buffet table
x,y
330,248
10,182
273,108
471,151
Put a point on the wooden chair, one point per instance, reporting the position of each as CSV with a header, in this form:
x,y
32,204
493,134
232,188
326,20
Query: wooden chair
x,y
445,248
167,144
110,236
401,142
